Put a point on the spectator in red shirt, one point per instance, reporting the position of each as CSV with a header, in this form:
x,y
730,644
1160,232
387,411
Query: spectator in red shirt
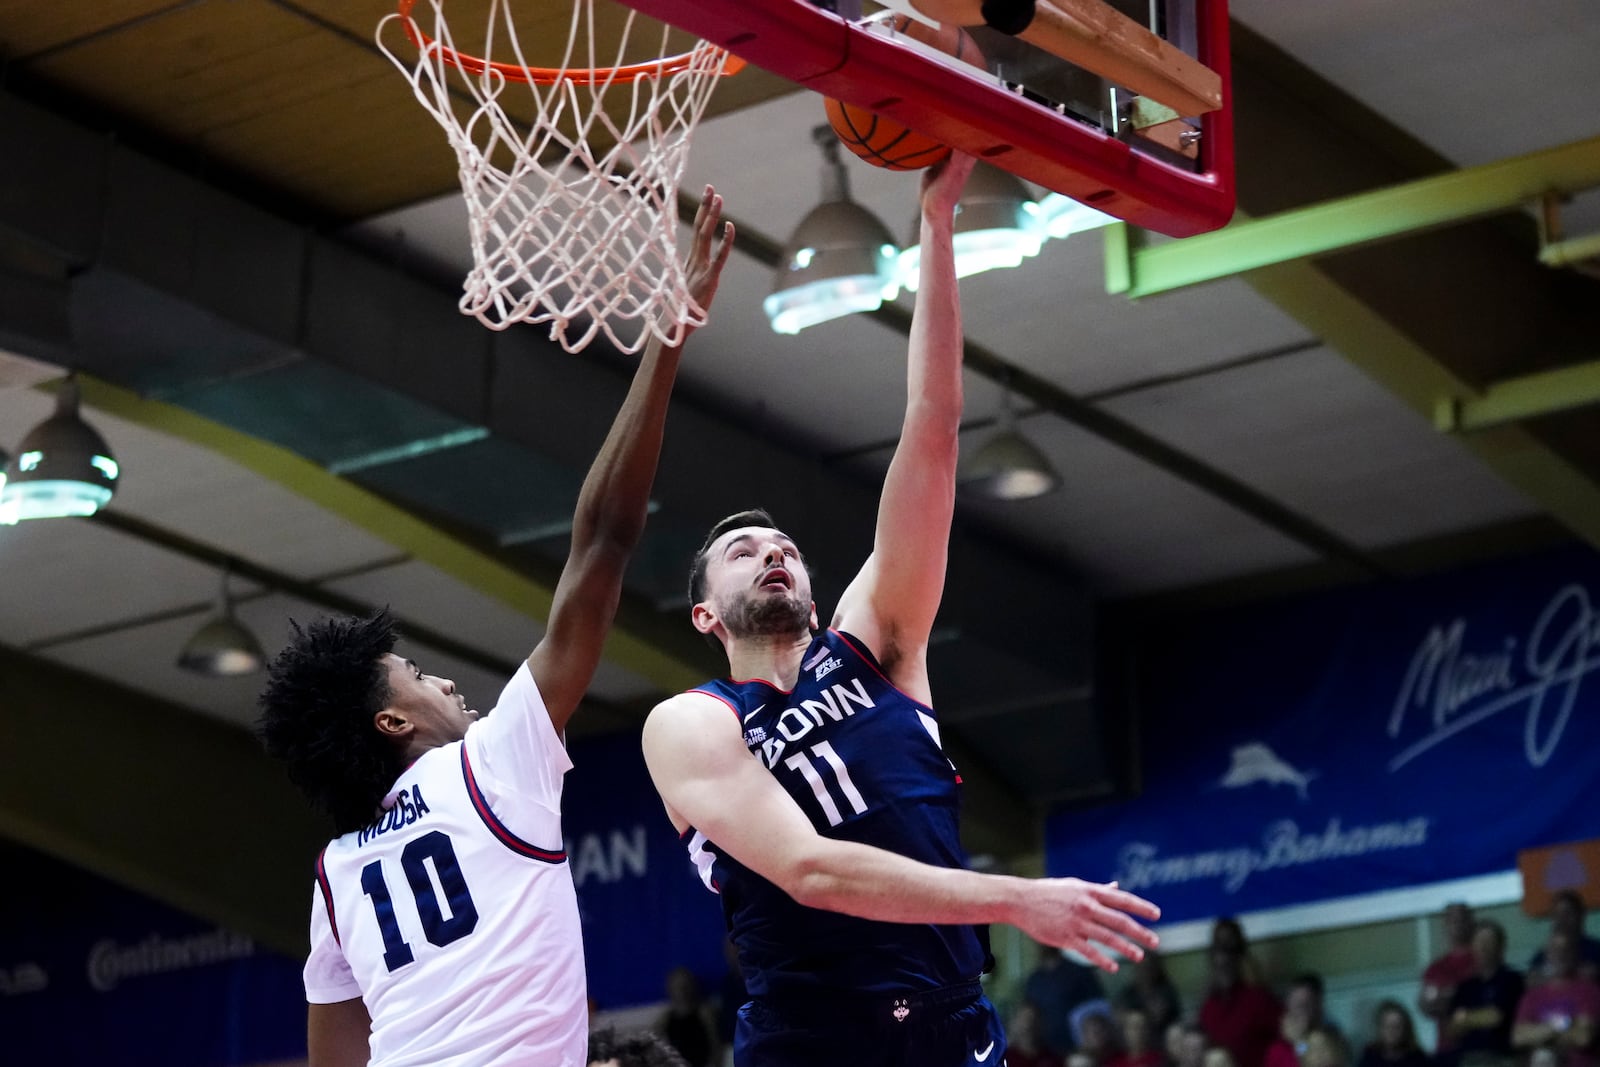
x,y
1442,976
1567,916
1561,1012
1237,1015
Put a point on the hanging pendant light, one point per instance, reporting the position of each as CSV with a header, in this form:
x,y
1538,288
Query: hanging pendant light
x,y
223,647
1008,466
62,467
840,259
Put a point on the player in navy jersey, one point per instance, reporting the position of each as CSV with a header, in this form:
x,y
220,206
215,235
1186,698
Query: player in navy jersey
x,y
812,790
444,922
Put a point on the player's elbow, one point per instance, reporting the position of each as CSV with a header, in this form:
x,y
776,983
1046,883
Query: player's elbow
x,y
812,878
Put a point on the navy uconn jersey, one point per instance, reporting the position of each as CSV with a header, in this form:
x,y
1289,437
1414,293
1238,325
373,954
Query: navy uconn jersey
x,y
863,761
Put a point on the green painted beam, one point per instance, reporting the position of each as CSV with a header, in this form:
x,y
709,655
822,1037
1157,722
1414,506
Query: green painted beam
x,y
1352,221
1516,399
1571,252
1386,352
386,521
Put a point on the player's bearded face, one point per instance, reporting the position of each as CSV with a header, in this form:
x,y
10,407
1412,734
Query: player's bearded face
x,y
754,613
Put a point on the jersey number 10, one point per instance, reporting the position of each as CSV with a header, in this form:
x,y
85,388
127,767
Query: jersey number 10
x,y
433,846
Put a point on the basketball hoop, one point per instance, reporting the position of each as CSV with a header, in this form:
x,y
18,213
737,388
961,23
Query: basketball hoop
x,y
566,229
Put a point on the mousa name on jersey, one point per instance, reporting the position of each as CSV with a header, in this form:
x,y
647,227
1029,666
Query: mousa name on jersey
x,y
408,808
834,704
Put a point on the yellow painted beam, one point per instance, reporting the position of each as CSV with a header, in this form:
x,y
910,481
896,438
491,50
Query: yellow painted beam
x,y
383,520
1388,355
1361,219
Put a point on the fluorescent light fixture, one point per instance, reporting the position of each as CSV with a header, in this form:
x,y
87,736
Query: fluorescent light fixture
x,y
222,647
839,260
1063,216
62,467
997,225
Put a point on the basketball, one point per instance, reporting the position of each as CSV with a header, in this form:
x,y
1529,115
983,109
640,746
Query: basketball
x,y
882,141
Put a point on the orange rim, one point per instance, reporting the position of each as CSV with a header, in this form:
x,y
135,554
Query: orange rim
x,y
550,75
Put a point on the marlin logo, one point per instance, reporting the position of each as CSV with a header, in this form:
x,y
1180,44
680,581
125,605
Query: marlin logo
x,y
816,657
1256,762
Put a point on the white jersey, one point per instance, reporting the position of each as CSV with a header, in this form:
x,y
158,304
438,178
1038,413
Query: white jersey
x,y
453,917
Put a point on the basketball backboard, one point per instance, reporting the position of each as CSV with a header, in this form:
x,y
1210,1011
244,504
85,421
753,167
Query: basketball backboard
x,y
1103,136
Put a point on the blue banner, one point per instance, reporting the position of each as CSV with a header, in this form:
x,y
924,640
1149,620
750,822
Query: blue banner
x,y
644,910
1376,737
91,972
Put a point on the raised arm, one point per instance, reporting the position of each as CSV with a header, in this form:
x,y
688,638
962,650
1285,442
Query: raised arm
x,y
709,780
610,515
891,604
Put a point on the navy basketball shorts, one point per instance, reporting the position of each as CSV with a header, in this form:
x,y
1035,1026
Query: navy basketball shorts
x,y
952,1027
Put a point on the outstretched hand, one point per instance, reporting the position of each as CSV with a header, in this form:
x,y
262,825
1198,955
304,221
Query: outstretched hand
x,y
708,253
943,182
1083,916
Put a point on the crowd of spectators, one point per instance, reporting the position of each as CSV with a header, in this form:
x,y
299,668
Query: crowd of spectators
x,y
1476,1009
1479,1010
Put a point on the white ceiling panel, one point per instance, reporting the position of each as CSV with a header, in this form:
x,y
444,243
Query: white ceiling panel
x,y
145,658
1129,526
1053,317
20,372
1478,80
1314,432
419,591
66,575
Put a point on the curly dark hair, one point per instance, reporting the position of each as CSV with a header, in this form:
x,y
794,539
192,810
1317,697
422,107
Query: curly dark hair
x,y
642,1048
317,707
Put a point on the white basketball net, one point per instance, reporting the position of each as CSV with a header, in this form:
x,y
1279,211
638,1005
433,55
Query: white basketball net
x,y
561,234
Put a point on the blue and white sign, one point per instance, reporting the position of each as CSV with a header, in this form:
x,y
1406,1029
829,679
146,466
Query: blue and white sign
x,y
91,972
644,910
1373,738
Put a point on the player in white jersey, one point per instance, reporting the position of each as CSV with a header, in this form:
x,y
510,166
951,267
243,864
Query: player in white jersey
x,y
444,924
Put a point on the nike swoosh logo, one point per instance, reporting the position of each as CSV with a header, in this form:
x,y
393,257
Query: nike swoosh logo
x,y
753,714
981,1056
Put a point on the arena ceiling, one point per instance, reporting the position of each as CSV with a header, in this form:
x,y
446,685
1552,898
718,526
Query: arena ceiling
x,y
233,218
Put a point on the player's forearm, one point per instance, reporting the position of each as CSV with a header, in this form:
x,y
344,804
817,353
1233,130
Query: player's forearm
x,y
933,377
614,500
872,883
